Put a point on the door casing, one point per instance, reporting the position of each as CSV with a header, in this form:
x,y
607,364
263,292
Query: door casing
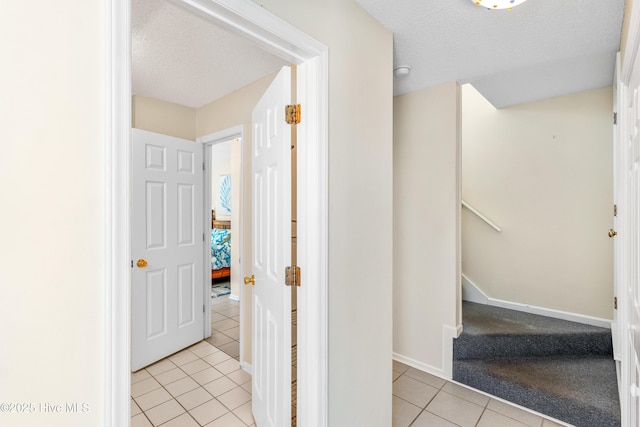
x,y
625,262
207,141
287,42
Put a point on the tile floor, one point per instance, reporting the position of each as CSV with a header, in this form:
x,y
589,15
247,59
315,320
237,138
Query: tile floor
x,y
199,386
204,386
225,325
421,399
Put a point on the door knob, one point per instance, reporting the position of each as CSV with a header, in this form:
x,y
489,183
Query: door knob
x,y
251,280
612,232
142,263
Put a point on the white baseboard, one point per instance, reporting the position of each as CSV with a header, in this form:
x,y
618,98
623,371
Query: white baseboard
x,y
449,333
234,297
247,368
472,293
419,365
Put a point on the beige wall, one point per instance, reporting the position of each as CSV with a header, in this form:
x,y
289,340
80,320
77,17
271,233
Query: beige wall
x,y
426,235
360,205
52,259
542,172
52,171
163,117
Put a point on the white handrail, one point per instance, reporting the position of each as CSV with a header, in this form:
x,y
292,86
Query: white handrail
x,y
482,217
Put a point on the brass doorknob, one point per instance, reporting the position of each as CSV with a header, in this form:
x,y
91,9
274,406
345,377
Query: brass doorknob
x,y
142,263
251,280
612,232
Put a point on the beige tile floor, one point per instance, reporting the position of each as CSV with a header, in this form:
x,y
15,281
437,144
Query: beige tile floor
x,y
225,325
199,386
424,400
203,386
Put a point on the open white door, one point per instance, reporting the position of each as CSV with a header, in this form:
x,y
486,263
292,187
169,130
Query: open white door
x,y
271,241
627,173
167,240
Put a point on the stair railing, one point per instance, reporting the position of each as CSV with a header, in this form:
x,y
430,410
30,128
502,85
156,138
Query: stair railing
x,y
482,217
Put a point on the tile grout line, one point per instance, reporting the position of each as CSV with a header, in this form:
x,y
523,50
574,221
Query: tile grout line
x,y
162,386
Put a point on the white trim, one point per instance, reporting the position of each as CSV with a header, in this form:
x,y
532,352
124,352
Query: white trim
x,y
449,333
117,143
222,136
633,45
471,289
209,140
472,293
419,365
625,258
619,290
248,368
286,41
206,250
312,242
252,21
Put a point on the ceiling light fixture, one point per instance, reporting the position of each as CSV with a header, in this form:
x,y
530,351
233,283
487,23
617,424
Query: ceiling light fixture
x,y
402,71
498,4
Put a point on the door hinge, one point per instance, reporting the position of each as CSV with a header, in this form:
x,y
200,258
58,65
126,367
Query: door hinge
x,y
203,308
131,263
615,303
615,118
202,165
292,114
292,276
615,210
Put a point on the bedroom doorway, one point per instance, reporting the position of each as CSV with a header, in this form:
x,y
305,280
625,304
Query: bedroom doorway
x,y
223,204
288,42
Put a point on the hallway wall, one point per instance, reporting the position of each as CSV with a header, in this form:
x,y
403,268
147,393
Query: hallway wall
x,y
426,240
541,171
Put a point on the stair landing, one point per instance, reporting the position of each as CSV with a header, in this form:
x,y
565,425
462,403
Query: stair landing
x,y
559,368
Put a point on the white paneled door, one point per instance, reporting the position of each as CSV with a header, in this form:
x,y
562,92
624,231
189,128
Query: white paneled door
x,y
271,240
627,243
631,237
167,237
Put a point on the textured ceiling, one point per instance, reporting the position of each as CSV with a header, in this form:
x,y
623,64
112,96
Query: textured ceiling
x,y
540,49
179,57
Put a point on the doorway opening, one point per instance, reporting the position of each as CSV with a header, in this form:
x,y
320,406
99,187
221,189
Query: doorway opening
x,y
224,193
286,41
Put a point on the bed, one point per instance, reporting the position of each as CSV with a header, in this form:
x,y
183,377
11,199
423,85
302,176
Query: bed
x,y
220,253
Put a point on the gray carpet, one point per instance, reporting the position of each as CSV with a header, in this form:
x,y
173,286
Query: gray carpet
x,y
559,368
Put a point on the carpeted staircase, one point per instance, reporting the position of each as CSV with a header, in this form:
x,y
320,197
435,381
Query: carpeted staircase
x,y
559,368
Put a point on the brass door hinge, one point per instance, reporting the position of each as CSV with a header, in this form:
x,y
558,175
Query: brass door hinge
x,y
615,303
292,276
292,114
615,210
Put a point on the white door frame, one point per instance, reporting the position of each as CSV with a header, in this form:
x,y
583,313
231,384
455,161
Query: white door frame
x,y
624,265
207,141
287,42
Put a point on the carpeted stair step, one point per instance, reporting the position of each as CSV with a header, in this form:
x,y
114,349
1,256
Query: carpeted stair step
x,y
559,368
579,391
494,332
